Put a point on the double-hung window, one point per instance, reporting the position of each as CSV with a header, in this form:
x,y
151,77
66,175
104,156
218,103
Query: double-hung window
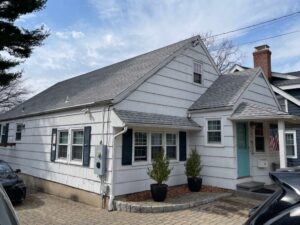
x,y
156,144
259,137
19,132
77,145
146,145
171,146
140,146
63,140
197,73
291,144
214,132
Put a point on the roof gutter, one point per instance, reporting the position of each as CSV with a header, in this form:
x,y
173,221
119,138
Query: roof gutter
x,y
265,117
163,126
211,109
99,103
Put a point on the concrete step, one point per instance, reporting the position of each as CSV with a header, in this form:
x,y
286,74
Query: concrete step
x,y
250,186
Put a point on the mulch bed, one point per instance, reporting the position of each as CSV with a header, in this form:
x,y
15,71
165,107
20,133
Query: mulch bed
x,y
172,192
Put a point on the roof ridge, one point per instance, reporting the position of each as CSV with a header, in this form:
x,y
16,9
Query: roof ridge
x,y
126,60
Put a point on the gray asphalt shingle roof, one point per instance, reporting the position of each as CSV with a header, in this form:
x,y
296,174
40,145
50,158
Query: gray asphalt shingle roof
x,y
132,118
100,85
225,90
279,83
245,110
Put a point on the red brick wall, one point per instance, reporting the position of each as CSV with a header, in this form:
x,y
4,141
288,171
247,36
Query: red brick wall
x,y
262,58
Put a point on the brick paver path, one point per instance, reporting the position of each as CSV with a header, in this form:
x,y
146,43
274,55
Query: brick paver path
x,y
43,209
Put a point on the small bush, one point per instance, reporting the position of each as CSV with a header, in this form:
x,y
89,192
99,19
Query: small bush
x,y
193,164
160,168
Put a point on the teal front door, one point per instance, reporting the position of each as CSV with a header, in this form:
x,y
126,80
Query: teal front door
x,y
243,162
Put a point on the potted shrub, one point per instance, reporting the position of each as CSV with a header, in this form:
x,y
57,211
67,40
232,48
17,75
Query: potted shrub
x,y
160,172
192,171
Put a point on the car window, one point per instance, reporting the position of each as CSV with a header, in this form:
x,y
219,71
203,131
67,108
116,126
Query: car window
x,y
5,168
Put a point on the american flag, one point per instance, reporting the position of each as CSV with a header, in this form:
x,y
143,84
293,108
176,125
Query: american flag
x,y
274,139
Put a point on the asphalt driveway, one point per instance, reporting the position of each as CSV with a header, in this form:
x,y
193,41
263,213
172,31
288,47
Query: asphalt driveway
x,y
41,208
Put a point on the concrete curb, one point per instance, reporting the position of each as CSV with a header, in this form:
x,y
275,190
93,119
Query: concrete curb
x,y
139,207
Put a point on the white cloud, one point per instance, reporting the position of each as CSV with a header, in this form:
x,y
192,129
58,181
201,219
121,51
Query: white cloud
x,y
77,34
70,34
26,17
128,28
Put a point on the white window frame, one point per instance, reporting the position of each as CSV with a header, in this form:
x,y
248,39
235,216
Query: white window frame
x,y
21,132
206,133
149,147
201,65
69,160
295,156
75,161
133,148
177,145
162,142
264,136
57,159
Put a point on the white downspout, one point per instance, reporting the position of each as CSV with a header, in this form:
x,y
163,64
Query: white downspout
x,y
112,191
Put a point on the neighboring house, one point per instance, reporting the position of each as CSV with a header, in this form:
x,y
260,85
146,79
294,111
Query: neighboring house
x,y
287,89
172,99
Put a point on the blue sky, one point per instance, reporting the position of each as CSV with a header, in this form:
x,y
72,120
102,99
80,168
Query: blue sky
x,y
89,34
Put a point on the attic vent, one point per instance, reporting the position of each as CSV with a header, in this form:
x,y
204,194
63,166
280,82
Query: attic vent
x,y
196,42
67,99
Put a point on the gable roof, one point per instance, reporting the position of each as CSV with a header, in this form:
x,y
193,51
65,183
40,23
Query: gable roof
x,y
133,118
225,91
279,83
247,110
102,85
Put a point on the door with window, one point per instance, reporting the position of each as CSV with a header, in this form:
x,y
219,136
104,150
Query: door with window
x,y
243,159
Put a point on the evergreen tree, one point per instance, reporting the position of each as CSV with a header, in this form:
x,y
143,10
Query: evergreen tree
x,y
17,43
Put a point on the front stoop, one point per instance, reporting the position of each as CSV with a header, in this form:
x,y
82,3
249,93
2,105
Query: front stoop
x,y
250,186
172,204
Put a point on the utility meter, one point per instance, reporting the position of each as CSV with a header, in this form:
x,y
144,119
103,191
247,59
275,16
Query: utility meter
x,y
100,159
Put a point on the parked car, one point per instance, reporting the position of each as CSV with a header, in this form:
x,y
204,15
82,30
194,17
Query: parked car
x,y
7,213
283,207
12,183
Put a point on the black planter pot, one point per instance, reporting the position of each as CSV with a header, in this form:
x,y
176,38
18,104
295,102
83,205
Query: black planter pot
x,y
159,192
194,183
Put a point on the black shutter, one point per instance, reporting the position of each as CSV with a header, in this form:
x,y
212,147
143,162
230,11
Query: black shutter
x,y
127,148
53,144
182,146
5,135
87,146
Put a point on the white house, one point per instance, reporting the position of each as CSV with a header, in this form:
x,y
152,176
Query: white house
x,y
173,98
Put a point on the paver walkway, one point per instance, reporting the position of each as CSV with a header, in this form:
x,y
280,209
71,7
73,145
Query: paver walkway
x,y
40,208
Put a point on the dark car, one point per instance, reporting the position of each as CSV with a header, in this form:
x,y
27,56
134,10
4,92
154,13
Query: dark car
x,y
282,207
12,183
7,212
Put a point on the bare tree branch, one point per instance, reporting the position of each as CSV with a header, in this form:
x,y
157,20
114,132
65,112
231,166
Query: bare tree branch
x,y
224,52
12,95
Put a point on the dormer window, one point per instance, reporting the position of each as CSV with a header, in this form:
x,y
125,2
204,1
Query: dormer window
x,y
197,73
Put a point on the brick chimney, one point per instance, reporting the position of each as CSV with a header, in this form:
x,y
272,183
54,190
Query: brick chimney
x,y
262,58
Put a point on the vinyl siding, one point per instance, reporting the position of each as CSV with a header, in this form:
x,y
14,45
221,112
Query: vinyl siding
x,y
171,91
259,93
32,153
219,162
134,178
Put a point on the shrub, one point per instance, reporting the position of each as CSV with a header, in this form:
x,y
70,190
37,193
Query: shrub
x,y
160,168
193,164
